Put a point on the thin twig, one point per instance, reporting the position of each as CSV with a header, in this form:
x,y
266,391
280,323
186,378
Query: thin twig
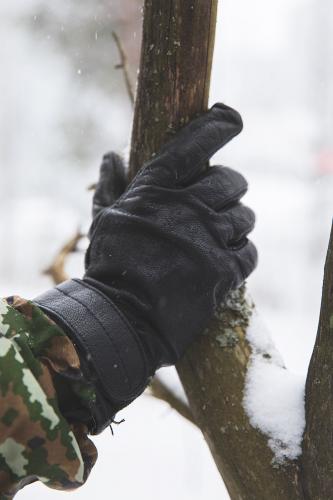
x,y
57,268
124,66
160,391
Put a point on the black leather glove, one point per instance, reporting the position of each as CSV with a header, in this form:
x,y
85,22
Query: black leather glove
x,y
161,258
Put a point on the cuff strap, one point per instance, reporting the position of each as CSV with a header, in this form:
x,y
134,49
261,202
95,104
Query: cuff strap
x,y
103,334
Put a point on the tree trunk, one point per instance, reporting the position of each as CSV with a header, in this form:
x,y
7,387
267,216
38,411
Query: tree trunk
x,y
317,458
174,79
173,87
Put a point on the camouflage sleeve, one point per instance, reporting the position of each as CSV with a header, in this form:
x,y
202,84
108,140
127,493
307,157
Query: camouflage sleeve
x,y
36,441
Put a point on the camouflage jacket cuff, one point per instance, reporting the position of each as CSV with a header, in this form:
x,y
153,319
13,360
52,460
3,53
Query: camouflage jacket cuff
x,y
36,441
111,351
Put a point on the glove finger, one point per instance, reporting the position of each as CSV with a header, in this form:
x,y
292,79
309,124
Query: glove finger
x,y
247,259
240,264
111,184
236,224
219,187
182,159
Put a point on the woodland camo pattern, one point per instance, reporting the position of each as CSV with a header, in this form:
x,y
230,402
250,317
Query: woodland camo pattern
x,y
36,442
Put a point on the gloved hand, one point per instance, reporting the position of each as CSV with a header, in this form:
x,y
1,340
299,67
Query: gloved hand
x,y
161,258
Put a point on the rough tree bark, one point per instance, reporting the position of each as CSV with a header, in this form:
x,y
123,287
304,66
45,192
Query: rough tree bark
x,y
176,58
317,457
173,86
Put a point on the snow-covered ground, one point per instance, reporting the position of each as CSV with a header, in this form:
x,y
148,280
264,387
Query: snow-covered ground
x,y
267,65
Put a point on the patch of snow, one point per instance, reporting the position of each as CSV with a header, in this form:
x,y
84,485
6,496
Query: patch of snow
x,y
261,341
274,396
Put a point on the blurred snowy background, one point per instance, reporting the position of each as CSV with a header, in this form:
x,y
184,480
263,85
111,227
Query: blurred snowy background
x,y
63,105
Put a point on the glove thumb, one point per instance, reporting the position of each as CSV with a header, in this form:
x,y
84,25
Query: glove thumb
x,y
111,184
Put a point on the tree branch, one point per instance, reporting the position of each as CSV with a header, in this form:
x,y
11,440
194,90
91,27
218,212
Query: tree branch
x,y
174,76
161,391
317,459
124,66
57,269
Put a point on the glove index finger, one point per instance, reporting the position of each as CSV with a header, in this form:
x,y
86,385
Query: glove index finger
x,y
183,158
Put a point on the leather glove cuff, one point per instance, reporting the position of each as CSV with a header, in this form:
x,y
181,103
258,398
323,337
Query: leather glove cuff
x,y
106,343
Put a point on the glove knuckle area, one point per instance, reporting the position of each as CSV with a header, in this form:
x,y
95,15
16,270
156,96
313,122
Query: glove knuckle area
x,y
183,158
177,205
164,171
219,187
237,222
148,203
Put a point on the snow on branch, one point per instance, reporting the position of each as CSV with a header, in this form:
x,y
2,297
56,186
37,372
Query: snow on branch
x,y
273,396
